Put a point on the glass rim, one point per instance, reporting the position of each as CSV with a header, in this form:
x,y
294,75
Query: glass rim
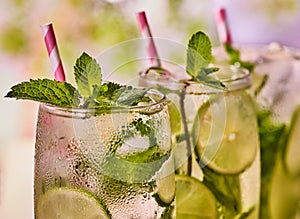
x,y
264,48
159,101
242,80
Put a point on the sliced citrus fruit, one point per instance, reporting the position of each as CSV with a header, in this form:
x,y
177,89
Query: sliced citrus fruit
x,y
225,132
69,203
292,161
175,117
193,199
166,189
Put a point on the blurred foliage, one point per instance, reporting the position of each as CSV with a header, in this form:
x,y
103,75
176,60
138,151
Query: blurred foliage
x,y
110,25
275,9
191,22
174,6
19,3
13,39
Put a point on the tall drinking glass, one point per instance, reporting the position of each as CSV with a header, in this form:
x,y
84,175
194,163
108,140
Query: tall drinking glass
x,y
277,72
97,163
215,140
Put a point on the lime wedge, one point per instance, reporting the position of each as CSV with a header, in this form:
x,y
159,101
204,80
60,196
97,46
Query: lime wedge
x,y
193,199
69,204
292,161
225,132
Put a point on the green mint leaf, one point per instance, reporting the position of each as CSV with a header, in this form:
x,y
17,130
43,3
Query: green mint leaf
x,y
272,136
199,55
246,214
109,90
140,165
87,74
235,57
119,95
105,94
226,189
206,79
130,96
46,91
233,53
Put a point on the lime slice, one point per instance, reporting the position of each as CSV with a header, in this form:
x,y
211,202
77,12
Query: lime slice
x,y
69,203
225,132
193,199
175,118
166,189
292,161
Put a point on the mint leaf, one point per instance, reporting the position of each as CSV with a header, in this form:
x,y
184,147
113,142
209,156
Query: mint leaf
x,y
88,78
204,78
106,94
199,55
87,74
47,91
140,165
130,96
234,55
246,214
272,136
119,95
226,189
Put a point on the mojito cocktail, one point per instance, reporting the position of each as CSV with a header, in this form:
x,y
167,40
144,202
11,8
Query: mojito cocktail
x,y
214,135
275,70
117,163
277,73
103,150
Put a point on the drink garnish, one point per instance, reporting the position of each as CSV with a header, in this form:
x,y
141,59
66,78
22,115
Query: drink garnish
x,y
46,91
190,203
90,91
199,56
56,203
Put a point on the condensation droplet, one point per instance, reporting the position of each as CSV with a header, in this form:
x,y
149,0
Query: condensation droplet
x,y
231,136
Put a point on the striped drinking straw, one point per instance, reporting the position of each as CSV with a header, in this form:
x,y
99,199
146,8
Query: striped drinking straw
x,y
146,32
223,27
53,52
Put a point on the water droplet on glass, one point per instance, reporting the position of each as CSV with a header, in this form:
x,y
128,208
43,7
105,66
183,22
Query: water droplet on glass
x,y
231,136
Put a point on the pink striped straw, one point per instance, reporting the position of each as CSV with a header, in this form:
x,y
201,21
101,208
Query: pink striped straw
x,y
223,27
146,32
52,49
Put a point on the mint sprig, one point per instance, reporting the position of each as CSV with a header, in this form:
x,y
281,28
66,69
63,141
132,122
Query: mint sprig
x,y
46,91
91,92
87,75
199,56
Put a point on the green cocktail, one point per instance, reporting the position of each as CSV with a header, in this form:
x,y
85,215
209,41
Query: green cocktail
x,y
275,71
214,135
102,151
277,77
116,164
